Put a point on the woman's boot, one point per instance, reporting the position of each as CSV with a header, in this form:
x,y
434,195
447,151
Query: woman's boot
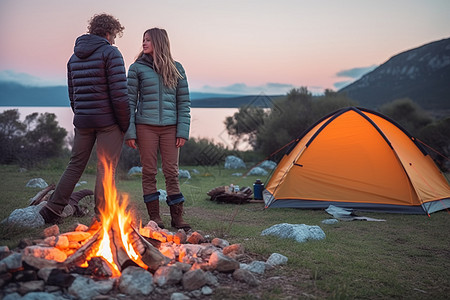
x,y
176,212
152,203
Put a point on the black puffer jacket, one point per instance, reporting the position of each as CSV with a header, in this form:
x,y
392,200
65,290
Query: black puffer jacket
x,y
97,84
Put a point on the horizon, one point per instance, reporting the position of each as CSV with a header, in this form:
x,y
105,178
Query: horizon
x,y
233,47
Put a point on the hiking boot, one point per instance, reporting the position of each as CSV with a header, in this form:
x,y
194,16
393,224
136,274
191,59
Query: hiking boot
x,y
49,216
176,212
153,212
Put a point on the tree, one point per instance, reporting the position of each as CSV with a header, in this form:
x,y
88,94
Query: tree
x,y
11,134
244,124
38,137
408,114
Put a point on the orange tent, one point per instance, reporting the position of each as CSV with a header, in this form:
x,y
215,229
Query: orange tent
x,y
360,159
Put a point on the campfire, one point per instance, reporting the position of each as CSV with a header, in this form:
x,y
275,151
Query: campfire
x,y
115,239
115,244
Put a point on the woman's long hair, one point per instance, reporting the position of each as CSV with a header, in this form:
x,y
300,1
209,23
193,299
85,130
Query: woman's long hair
x,y
162,58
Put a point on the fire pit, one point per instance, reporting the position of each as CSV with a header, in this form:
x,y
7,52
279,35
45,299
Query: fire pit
x,y
116,254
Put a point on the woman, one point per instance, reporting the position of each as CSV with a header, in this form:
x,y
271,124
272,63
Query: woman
x,y
160,120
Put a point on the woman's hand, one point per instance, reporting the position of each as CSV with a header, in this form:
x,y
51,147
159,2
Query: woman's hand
x,y
131,143
180,142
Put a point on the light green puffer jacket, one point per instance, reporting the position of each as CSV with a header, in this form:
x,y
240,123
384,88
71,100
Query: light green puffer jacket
x,y
153,103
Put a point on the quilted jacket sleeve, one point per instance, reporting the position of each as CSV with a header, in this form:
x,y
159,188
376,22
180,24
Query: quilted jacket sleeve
x,y
117,86
133,96
183,105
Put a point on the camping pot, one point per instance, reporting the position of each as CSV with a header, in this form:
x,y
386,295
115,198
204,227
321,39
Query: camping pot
x,y
258,188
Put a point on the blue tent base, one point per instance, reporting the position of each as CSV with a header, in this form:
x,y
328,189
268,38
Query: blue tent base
x,y
430,207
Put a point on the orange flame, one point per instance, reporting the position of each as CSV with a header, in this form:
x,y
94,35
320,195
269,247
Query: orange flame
x,y
112,212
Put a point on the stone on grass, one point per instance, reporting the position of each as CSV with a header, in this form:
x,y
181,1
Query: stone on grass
x,y
222,263
299,232
258,171
234,162
268,165
276,259
37,183
27,217
184,174
246,276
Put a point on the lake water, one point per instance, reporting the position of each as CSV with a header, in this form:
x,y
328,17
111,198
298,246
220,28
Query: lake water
x,y
205,122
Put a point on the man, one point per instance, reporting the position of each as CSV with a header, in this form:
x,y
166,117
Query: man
x,y
99,99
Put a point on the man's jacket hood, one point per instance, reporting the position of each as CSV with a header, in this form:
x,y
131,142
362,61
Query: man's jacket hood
x,y
86,44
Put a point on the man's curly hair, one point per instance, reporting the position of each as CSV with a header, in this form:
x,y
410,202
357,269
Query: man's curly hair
x,y
103,23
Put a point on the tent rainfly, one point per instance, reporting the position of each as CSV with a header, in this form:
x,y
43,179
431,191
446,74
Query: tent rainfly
x,y
360,159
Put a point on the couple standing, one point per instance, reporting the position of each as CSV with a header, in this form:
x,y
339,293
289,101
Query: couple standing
x,y
150,110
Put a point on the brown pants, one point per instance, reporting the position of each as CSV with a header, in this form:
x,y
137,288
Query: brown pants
x,y
150,139
109,145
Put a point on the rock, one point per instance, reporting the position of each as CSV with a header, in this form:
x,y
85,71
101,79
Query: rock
x,y
184,174
49,253
276,259
246,276
37,183
222,263
206,290
299,232
211,280
258,171
4,252
179,296
233,162
136,281
167,275
233,250
329,221
193,279
11,262
135,171
31,286
85,288
268,165
195,238
237,174
162,195
257,267
39,296
51,231
220,243
27,217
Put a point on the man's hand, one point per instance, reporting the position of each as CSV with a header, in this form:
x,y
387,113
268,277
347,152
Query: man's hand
x,y
131,143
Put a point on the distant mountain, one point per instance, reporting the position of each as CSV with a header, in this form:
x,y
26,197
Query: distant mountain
x,y
421,74
15,94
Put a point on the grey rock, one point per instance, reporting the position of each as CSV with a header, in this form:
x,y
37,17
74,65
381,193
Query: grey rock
x,y
85,288
222,263
31,286
136,281
234,162
211,280
220,243
268,165
179,296
246,276
193,279
184,174
258,171
39,296
299,232
134,171
330,221
167,275
206,290
37,183
257,267
276,259
11,262
27,217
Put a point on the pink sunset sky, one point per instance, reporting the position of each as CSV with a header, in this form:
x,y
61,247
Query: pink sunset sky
x,y
233,46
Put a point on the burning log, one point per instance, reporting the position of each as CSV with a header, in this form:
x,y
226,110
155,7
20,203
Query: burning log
x,y
151,256
81,255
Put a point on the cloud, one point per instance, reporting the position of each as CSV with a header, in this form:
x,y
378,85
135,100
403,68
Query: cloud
x,y
28,80
270,88
355,73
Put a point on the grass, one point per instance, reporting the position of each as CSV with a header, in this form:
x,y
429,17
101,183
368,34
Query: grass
x,y
406,257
